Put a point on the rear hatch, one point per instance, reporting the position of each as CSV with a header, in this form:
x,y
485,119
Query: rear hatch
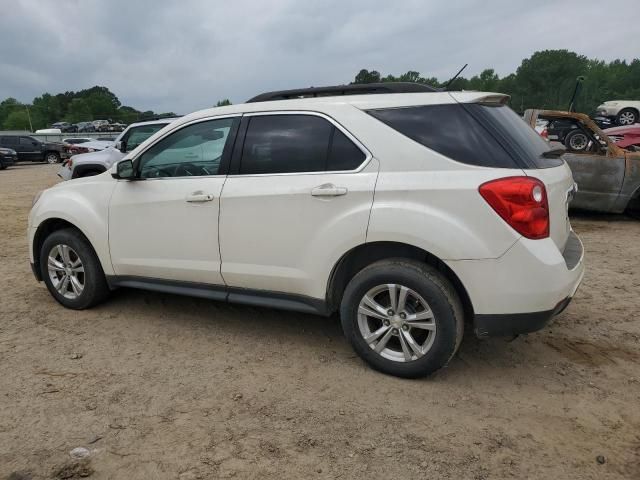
x,y
527,148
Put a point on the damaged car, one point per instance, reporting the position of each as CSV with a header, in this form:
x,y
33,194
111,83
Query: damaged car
x,y
607,175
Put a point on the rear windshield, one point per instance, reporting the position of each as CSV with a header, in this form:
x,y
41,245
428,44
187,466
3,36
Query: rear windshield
x,y
475,134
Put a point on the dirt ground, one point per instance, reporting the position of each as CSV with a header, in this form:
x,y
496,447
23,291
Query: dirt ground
x,y
161,386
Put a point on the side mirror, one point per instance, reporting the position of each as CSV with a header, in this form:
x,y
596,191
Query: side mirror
x,y
122,146
124,170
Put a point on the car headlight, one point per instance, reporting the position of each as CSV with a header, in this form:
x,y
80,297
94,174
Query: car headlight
x,y
37,197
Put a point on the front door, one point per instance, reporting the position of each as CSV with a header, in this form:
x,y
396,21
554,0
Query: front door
x,y
165,225
297,197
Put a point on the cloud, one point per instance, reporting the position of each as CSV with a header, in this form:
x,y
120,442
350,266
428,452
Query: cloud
x,y
185,55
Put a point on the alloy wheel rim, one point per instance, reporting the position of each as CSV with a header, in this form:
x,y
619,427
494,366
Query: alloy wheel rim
x,y
627,118
578,142
396,323
52,159
66,271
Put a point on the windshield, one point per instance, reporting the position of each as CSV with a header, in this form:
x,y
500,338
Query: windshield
x,y
136,135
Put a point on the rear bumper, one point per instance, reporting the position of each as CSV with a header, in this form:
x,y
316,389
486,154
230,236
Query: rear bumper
x,y
522,290
517,323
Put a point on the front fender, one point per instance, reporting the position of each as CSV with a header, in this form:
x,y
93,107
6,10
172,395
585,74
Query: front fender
x,y
84,203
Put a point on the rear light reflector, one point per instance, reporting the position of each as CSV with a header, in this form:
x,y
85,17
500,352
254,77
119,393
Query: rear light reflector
x,y
521,202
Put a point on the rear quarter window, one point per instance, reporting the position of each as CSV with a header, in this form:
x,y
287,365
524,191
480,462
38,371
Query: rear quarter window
x,y
475,134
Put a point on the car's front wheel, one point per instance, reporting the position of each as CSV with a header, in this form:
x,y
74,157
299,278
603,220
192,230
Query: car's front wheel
x,y
402,317
627,116
71,270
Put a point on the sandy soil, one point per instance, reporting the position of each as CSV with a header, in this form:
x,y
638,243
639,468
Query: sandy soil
x,y
161,386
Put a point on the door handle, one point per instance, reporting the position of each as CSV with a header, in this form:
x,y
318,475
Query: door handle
x,y
328,190
198,197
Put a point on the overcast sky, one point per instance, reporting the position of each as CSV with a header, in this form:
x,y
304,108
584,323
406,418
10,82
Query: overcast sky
x,y
184,55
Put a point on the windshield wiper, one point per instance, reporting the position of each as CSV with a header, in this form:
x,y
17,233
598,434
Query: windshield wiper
x,y
554,153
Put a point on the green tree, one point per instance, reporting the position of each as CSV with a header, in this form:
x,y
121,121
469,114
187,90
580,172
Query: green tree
x,y
366,76
78,111
223,103
7,106
18,119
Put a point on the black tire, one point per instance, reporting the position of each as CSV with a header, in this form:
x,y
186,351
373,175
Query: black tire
x,y
627,116
95,288
576,141
434,288
52,157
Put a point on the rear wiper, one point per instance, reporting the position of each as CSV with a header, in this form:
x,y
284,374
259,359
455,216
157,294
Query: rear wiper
x,y
554,153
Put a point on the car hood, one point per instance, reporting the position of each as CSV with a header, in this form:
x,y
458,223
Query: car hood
x,y
105,157
98,144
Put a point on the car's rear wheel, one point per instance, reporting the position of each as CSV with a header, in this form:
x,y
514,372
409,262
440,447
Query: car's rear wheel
x,y
52,157
576,141
71,270
402,317
627,116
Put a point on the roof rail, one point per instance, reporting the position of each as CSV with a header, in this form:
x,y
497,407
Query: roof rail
x,y
355,89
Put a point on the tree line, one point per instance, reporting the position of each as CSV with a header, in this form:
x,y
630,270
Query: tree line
x,y
546,80
95,103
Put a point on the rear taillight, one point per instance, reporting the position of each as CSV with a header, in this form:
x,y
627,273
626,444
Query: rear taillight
x,y
521,202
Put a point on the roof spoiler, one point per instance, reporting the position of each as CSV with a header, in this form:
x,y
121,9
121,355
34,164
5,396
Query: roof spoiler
x,y
494,99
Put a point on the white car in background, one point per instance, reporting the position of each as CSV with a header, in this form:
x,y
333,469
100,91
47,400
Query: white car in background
x,y
623,112
105,154
367,205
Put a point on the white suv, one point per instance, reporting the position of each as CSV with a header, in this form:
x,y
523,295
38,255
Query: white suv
x,y
407,213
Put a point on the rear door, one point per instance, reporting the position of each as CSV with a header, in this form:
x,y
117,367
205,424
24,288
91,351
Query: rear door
x,y
298,196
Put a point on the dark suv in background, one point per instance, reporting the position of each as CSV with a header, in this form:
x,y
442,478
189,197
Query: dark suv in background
x,y
7,157
33,150
65,127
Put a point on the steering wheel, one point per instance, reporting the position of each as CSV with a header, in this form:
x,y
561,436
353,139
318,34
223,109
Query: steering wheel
x,y
187,170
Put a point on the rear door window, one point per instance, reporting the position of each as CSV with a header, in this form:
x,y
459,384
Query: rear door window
x,y
296,143
285,144
343,154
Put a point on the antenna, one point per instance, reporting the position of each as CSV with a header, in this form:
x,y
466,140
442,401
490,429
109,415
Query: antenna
x,y
446,87
576,91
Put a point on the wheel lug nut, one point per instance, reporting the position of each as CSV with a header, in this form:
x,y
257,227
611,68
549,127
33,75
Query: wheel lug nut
x,y
405,327
390,313
395,330
386,323
403,315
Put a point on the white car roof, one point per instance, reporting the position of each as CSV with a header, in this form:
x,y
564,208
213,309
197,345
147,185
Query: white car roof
x,y
363,102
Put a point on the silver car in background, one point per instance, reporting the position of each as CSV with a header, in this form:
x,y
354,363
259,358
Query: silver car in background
x,y
94,163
